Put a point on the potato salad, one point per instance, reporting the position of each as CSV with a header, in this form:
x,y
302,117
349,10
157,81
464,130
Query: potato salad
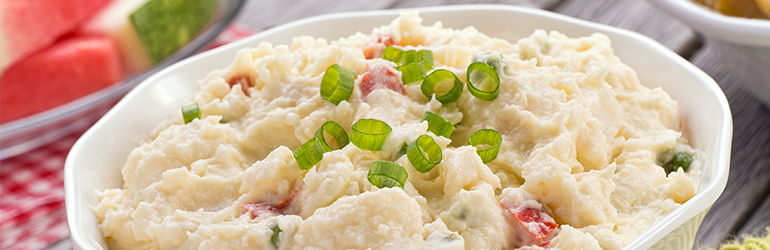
x,y
412,136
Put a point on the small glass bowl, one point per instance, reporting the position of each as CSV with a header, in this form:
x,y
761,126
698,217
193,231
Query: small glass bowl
x,y
28,133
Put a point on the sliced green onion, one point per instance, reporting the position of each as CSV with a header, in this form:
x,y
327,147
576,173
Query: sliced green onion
x,y
489,77
308,154
312,152
336,131
413,64
412,72
384,174
337,84
275,240
489,137
369,134
392,54
190,112
678,160
437,124
424,57
401,57
408,57
437,77
424,153
427,58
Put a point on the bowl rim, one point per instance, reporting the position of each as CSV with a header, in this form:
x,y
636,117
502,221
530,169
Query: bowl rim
x,y
700,202
738,30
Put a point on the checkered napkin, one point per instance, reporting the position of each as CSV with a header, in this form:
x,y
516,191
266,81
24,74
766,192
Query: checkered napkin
x,y
32,214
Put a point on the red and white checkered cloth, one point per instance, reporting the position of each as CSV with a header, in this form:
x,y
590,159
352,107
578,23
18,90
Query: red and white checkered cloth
x,y
32,214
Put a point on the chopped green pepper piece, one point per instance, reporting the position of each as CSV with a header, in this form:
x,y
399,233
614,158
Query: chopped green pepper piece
x,y
274,239
678,160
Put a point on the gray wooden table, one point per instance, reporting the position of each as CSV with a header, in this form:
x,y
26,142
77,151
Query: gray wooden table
x,y
744,206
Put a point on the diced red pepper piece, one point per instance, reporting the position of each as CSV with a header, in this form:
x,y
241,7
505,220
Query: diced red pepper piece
x,y
258,209
538,223
243,80
539,226
375,50
378,76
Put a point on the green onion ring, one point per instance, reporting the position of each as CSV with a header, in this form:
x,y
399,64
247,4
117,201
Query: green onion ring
x,y
369,134
384,174
392,54
427,58
308,154
490,72
486,137
190,112
413,64
336,131
437,124
417,56
312,152
435,78
412,72
337,84
409,56
418,149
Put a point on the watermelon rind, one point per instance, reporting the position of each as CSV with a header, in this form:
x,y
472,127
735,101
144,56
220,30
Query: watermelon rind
x,y
114,21
165,26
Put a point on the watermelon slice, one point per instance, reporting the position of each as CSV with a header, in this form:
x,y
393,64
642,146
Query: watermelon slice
x,y
68,70
29,25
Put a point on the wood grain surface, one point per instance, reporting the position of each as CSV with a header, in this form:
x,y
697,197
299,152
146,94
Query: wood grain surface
x,y
636,15
744,206
738,209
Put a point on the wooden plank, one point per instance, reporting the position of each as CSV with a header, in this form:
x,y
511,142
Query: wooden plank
x,y
758,223
540,4
749,179
635,15
265,14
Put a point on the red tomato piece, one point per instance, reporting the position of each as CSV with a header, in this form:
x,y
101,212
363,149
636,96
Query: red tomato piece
x,y
379,76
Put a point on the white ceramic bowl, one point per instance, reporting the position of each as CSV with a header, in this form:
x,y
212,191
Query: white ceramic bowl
x,y
742,42
94,163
